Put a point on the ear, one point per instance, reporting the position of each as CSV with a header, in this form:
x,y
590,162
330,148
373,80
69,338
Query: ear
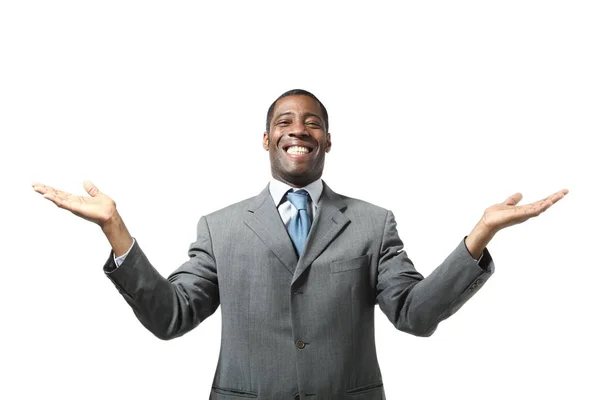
x,y
328,143
266,141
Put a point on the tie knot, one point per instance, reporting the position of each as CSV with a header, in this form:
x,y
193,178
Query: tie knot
x,y
299,199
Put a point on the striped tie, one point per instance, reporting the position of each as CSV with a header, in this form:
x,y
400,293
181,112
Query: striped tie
x,y
300,223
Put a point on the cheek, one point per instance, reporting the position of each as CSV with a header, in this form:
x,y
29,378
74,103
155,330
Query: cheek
x,y
273,139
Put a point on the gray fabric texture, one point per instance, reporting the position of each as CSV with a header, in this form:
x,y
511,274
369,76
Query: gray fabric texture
x,y
298,328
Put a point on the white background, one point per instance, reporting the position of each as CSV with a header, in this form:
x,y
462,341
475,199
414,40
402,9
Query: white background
x,y
438,110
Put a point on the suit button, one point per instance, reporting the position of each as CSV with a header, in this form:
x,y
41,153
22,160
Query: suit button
x,y
300,344
479,281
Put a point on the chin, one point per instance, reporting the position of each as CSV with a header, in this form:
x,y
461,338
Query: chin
x,y
302,177
298,173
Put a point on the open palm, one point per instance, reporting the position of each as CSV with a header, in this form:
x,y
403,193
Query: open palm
x,y
505,214
97,208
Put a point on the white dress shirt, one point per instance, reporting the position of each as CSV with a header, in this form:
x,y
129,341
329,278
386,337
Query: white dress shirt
x,y
286,209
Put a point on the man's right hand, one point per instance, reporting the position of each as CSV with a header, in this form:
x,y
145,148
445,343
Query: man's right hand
x,y
98,208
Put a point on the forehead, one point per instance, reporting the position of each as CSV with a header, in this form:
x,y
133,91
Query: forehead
x,y
297,104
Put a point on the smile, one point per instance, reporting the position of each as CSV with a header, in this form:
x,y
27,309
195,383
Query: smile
x,y
298,150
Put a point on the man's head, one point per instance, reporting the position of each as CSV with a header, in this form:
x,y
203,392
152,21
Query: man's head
x,y
297,137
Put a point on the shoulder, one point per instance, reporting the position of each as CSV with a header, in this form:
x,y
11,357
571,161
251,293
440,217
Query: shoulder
x,y
362,205
232,211
357,208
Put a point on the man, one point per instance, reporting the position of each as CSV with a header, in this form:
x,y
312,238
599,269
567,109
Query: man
x,y
297,271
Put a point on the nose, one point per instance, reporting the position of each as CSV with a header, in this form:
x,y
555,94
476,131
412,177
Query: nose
x,y
298,129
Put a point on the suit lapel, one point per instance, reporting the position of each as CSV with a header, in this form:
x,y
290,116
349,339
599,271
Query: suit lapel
x,y
328,223
264,220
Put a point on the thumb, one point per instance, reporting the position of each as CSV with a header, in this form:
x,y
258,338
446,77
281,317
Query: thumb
x,y
91,188
514,199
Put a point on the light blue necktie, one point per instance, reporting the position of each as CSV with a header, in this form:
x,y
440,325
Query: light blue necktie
x,y
300,223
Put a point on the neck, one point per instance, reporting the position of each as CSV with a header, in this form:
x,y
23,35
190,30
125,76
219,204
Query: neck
x,y
296,182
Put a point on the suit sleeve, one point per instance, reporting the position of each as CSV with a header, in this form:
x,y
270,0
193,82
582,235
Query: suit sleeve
x,y
173,306
415,304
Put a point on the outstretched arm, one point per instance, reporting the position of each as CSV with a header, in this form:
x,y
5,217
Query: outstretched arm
x,y
417,305
166,307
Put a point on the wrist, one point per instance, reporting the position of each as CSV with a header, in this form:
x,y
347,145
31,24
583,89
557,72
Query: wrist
x,y
112,222
484,231
117,234
478,239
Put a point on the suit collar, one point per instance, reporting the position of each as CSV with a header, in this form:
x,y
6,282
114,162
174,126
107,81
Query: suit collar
x,y
264,220
331,198
278,189
257,202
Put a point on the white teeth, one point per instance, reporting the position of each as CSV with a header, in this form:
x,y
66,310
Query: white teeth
x,y
298,150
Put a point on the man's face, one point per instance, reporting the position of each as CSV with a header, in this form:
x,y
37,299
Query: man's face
x,y
297,142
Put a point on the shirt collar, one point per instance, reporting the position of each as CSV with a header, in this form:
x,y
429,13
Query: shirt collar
x,y
278,189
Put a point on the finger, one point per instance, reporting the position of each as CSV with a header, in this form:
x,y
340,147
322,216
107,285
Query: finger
x,y
43,189
57,193
557,196
514,199
58,201
64,196
535,209
91,188
543,204
69,203
550,200
40,187
54,194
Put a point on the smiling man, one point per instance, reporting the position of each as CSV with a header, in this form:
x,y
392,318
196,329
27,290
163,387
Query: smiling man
x,y
297,271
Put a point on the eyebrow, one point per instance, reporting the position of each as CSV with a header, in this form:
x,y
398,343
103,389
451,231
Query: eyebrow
x,y
308,114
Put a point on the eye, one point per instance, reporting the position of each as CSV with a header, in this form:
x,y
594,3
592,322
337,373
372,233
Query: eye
x,y
313,124
283,122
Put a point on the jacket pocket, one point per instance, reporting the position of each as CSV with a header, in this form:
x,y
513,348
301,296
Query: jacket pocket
x,y
370,391
350,264
235,393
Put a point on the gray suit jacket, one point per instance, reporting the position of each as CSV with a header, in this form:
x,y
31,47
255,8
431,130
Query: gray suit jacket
x,y
298,328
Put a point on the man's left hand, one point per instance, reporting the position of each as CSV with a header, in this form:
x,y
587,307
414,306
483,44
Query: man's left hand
x,y
503,215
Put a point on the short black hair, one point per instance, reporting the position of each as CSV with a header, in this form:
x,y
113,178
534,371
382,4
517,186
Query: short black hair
x,y
297,92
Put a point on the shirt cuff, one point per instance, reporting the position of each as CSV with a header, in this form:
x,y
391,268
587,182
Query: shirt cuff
x,y
119,260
